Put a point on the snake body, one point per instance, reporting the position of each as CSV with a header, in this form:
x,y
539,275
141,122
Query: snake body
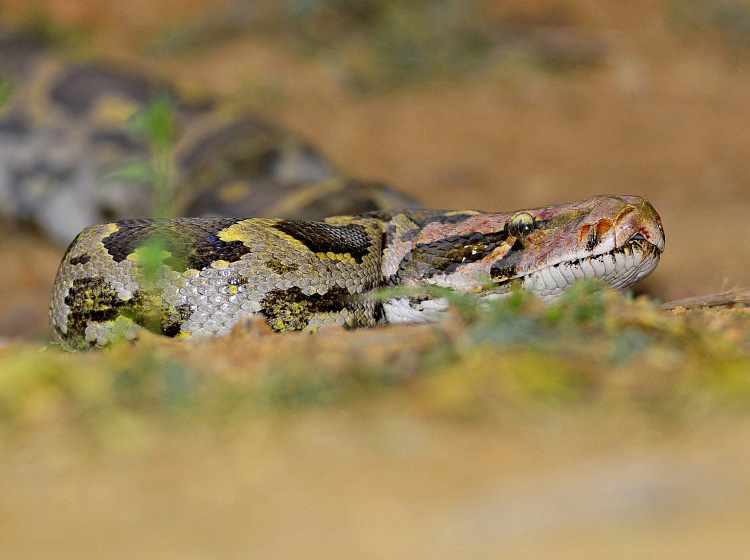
x,y
303,275
63,131
64,138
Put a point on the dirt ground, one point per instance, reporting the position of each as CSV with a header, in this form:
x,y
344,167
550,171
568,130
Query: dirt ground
x,y
365,488
664,115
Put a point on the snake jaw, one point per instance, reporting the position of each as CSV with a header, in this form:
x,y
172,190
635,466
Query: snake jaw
x,y
619,268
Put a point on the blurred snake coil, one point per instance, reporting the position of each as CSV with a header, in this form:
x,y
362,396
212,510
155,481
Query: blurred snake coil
x,y
337,241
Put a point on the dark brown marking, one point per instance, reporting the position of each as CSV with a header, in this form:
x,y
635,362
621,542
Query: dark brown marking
x,y
90,299
326,238
172,321
93,300
80,259
77,90
292,310
592,240
70,247
446,255
250,147
192,242
506,267
278,267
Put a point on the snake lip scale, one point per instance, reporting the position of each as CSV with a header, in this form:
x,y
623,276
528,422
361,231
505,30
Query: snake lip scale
x,y
301,276
602,265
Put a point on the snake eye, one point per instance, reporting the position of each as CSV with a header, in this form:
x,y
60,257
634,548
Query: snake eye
x,y
521,225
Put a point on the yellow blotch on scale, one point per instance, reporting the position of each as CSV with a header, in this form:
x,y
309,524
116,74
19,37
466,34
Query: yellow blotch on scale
x,y
343,257
235,232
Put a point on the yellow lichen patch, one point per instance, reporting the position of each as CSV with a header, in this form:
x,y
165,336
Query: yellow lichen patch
x,y
233,290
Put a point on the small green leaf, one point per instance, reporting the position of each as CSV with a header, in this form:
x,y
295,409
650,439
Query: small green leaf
x,y
153,254
155,123
7,89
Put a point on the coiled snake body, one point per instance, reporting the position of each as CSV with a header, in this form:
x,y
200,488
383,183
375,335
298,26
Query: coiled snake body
x,y
301,275
62,133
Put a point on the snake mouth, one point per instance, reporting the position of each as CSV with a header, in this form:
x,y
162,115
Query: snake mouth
x,y
620,267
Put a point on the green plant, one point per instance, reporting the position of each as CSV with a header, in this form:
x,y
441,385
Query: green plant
x,y
7,89
155,125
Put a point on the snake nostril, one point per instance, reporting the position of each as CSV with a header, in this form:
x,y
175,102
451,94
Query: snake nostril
x,y
584,232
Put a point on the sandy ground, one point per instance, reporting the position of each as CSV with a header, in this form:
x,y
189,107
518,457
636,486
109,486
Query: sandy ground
x,y
372,488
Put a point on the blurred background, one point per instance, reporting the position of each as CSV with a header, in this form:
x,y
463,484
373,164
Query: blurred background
x,y
463,104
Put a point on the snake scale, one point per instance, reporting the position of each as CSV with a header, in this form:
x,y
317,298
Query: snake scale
x,y
340,239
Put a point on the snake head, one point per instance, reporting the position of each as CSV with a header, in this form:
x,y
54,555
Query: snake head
x,y
617,239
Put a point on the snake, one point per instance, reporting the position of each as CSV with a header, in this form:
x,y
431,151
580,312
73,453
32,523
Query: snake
x,y
268,228
301,275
